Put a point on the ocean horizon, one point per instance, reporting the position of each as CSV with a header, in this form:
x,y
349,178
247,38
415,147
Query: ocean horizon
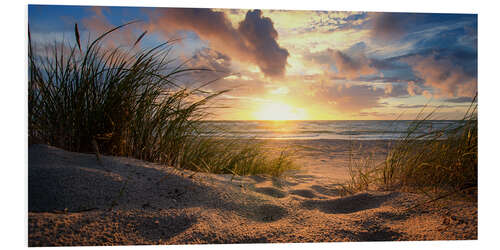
x,y
326,129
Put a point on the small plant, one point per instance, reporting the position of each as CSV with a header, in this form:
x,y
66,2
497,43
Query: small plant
x,y
435,162
116,101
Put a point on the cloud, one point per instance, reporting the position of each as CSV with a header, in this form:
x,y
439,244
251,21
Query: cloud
x,y
210,59
213,64
414,106
253,41
395,90
350,67
350,99
98,24
384,115
460,100
390,26
447,78
427,94
261,36
388,88
413,89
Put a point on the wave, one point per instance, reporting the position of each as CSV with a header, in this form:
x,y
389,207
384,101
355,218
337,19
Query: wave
x,y
359,130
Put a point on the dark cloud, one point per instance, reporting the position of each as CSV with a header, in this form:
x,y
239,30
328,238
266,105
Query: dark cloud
x,y
357,49
260,35
460,100
425,106
376,114
254,41
349,67
415,106
212,60
352,67
213,64
389,79
390,63
386,26
390,26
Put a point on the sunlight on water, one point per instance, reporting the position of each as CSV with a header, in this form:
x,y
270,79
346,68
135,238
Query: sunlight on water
x,y
309,130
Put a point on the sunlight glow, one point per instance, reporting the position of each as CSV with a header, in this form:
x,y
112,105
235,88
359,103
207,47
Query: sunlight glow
x,y
280,91
279,112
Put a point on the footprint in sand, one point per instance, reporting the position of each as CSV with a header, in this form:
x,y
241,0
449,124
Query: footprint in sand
x,y
274,192
328,190
267,213
304,177
304,193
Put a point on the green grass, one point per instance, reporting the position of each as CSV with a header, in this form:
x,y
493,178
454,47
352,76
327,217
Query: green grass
x,y
437,163
235,156
128,102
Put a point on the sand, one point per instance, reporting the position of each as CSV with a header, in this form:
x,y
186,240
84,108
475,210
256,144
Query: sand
x,y
75,200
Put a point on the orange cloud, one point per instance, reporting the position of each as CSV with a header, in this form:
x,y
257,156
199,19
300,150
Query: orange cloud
x,y
345,98
413,88
444,76
388,88
254,41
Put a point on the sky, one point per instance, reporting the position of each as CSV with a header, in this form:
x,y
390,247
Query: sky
x,y
298,65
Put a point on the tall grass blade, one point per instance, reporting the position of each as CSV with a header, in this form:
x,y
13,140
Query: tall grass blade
x,y
140,37
77,37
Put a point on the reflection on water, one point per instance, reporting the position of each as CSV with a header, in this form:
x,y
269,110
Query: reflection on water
x,y
349,130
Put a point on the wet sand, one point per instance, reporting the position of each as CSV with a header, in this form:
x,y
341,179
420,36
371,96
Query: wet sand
x,y
74,200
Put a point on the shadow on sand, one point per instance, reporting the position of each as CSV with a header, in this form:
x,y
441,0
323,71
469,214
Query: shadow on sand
x,y
348,204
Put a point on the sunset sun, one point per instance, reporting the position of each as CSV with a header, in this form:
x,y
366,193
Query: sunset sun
x,y
279,112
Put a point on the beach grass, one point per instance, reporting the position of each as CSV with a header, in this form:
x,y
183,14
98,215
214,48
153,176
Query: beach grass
x,y
438,163
238,157
127,101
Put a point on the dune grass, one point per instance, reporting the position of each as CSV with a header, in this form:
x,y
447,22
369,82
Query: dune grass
x,y
236,156
438,163
127,102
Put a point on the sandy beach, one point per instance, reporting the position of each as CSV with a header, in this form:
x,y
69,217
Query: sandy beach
x,y
252,125
75,200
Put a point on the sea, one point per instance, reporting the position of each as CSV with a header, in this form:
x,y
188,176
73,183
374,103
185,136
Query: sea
x,y
314,130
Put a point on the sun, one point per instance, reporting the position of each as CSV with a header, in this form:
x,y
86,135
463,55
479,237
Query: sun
x,y
279,112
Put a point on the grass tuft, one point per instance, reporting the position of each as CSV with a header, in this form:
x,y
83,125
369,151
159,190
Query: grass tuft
x,y
438,163
127,102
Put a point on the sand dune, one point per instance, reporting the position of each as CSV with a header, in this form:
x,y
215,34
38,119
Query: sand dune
x,y
74,200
